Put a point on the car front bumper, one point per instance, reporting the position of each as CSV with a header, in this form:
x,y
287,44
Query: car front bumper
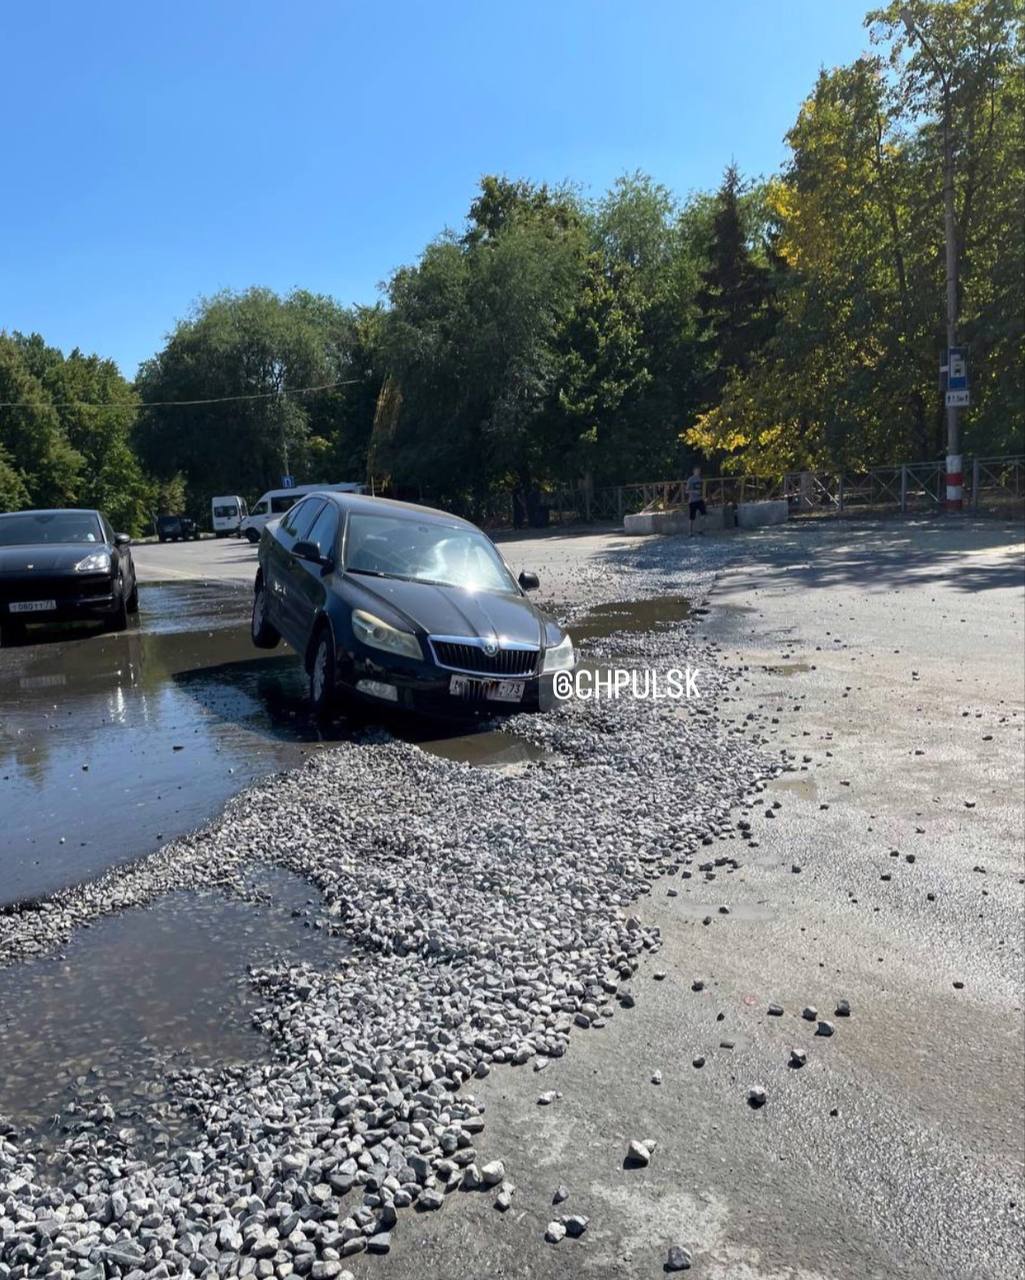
x,y
82,597
427,689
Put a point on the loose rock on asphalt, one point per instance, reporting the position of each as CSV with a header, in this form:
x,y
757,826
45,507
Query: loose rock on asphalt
x,y
486,913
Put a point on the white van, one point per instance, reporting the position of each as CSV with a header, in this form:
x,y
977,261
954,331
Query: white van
x,y
227,513
275,502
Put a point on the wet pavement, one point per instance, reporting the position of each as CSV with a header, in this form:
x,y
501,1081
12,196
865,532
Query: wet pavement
x,y
910,1126
92,1037
629,615
111,745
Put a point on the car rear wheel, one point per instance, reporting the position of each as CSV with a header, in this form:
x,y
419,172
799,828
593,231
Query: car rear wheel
x,y
265,635
323,696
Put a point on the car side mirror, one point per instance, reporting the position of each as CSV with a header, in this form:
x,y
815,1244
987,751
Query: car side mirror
x,y
122,540
529,581
310,551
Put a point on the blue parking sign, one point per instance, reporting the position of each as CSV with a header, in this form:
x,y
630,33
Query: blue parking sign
x,y
957,369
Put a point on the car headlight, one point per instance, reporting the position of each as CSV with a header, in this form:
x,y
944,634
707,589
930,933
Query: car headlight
x,y
560,657
98,562
379,635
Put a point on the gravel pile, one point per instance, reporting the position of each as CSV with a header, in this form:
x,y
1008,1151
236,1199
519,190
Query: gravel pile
x,y
492,917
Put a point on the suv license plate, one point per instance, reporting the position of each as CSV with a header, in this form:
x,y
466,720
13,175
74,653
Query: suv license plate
x,y
32,606
486,690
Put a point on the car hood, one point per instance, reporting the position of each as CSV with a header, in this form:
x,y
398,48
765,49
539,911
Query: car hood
x,y
53,558
450,611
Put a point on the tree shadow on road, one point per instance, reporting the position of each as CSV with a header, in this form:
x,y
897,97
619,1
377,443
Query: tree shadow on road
x,y
967,556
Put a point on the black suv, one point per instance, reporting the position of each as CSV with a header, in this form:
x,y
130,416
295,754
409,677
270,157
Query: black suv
x,y
176,528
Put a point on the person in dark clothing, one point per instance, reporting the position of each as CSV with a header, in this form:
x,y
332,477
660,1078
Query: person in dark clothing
x,y
696,499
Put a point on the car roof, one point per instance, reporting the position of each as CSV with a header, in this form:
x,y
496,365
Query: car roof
x,y
53,511
363,504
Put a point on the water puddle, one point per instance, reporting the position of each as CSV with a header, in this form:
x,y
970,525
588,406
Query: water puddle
x,y
112,744
490,748
153,989
805,787
746,911
629,615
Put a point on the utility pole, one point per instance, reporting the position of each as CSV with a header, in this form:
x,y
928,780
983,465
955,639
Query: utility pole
x,y
955,476
284,437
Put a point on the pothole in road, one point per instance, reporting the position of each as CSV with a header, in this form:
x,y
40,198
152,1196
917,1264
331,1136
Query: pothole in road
x,y
497,749
87,1039
805,788
630,615
788,668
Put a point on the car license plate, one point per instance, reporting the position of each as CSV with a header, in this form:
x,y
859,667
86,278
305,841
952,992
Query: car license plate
x,y
32,606
486,690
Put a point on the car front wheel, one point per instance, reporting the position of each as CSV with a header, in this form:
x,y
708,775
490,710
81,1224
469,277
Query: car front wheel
x,y
119,618
265,634
323,697
252,535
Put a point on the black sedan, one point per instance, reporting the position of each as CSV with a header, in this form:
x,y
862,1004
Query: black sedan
x,y
60,566
404,606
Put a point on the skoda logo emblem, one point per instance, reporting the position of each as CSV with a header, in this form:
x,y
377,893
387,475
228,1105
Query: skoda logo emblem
x,y
491,647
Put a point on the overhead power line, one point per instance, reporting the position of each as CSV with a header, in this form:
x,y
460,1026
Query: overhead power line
x,y
164,404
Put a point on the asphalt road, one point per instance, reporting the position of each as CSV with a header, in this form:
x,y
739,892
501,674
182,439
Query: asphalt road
x,y
900,1150
111,745
890,655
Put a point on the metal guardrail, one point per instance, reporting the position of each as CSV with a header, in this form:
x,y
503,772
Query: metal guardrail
x,y
910,486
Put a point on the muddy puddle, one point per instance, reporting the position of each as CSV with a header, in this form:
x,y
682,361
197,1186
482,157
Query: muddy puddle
x,y
630,615
152,990
111,745
485,748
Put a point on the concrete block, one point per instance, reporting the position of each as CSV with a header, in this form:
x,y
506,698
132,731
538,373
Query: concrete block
x,y
678,521
752,515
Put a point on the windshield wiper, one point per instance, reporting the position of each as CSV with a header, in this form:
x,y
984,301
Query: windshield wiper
x,y
377,573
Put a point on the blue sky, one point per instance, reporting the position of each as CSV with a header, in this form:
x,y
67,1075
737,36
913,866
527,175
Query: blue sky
x,y
154,153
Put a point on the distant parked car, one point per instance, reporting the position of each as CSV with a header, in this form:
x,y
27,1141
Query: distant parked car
x,y
176,528
64,566
392,603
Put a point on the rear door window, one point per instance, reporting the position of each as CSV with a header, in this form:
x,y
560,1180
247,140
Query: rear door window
x,y
324,531
293,527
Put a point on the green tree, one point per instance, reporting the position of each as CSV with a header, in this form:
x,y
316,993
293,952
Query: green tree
x,y
957,67
639,226
603,371
850,377
244,362
40,465
735,301
96,408
470,348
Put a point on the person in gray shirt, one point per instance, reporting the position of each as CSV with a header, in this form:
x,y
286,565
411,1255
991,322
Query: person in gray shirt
x,y
696,499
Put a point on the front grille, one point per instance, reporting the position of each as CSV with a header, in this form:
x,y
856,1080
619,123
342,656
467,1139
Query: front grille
x,y
471,657
37,586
